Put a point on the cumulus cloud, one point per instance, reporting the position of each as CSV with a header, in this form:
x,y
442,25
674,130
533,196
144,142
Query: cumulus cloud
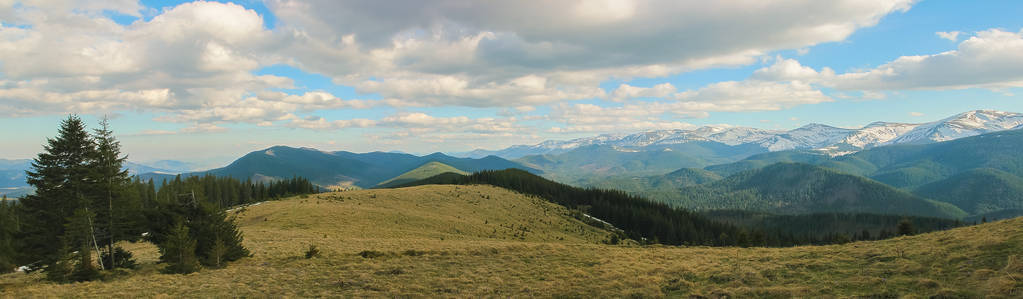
x,y
482,54
991,59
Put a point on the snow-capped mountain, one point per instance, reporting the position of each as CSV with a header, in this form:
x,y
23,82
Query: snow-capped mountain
x,y
824,138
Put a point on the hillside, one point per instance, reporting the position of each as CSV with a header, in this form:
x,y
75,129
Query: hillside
x,y
915,165
658,187
589,164
793,188
978,191
344,169
448,241
421,172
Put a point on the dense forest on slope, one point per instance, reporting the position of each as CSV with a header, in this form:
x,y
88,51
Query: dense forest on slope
x,y
794,188
978,191
825,228
642,219
639,218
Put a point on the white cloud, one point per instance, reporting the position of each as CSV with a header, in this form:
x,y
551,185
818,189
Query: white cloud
x,y
949,35
916,114
472,53
991,59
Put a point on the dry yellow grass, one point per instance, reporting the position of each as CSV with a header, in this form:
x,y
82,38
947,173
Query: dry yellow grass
x,y
481,241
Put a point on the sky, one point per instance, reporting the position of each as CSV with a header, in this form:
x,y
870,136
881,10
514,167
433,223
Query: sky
x,y
209,81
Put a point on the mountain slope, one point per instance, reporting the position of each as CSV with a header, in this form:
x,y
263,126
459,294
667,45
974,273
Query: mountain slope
x,y
792,188
907,166
586,165
978,191
344,169
421,172
659,187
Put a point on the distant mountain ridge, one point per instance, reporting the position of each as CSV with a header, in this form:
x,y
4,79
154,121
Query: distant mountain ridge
x,y
343,169
796,188
819,137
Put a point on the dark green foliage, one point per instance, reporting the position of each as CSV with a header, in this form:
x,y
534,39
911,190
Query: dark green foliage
x,y
978,191
659,188
60,267
117,205
79,234
178,250
206,222
9,228
793,188
121,258
825,228
639,218
60,175
906,228
312,252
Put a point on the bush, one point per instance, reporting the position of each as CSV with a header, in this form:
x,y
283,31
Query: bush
x,y
122,259
312,252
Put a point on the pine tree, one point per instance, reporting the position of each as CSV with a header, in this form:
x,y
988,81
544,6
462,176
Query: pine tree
x,y
178,251
8,228
60,176
80,235
110,185
905,227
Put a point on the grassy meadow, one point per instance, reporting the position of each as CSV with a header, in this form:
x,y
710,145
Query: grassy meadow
x,y
483,241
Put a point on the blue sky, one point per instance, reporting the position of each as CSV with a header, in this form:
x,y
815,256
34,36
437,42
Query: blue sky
x,y
209,81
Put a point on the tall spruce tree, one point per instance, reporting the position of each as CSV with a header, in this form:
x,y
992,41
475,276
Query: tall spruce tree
x,y
80,234
8,228
115,208
60,175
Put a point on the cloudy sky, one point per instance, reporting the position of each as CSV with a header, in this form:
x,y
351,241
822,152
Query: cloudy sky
x,y
208,81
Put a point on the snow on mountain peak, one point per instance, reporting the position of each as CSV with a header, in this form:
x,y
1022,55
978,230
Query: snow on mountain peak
x,y
814,136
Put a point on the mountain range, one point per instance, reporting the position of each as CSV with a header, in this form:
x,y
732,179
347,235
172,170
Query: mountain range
x,y
342,169
819,137
978,175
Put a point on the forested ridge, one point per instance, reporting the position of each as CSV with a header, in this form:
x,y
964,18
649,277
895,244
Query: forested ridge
x,y
652,222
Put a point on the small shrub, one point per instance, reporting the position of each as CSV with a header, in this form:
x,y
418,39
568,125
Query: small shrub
x,y
122,259
312,252
370,254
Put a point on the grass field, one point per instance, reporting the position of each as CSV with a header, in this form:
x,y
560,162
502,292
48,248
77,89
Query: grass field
x,y
481,241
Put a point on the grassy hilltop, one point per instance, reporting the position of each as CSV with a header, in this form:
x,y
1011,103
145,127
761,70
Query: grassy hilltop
x,y
470,241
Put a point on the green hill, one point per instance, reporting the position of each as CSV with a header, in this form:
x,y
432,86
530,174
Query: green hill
x,y
794,188
421,172
978,191
659,187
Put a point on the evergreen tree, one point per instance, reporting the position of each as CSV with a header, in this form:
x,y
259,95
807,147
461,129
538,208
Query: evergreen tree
x,y
178,251
60,176
8,228
111,188
905,227
80,235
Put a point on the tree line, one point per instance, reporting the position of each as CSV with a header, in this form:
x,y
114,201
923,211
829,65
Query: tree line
x,y
86,202
652,222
